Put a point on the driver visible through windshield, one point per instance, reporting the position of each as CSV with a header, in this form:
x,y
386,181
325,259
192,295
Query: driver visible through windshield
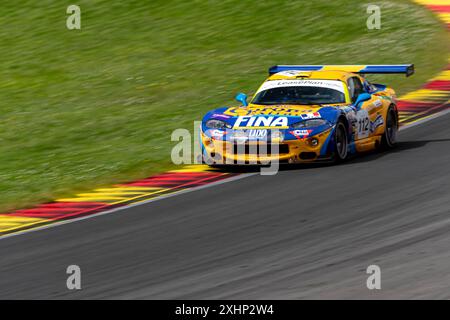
x,y
306,92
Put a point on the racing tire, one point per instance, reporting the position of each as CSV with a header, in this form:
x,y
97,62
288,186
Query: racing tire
x,y
340,142
389,138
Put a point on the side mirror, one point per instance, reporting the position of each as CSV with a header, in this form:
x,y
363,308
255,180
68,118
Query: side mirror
x,y
242,98
361,98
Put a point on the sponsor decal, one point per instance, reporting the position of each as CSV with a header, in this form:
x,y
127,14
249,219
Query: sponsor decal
x,y
373,107
378,122
363,124
377,103
255,111
301,133
257,133
220,116
217,133
290,73
241,136
329,84
310,115
261,122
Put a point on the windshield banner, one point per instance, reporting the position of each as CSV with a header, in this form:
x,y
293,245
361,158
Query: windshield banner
x,y
329,84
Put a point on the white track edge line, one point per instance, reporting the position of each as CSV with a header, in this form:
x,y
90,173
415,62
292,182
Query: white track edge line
x,y
176,193
433,116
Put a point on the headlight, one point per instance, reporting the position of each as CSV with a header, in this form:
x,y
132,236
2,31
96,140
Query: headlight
x,y
312,123
217,124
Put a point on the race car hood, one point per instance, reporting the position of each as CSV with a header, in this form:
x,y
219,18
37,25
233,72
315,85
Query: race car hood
x,y
259,122
270,117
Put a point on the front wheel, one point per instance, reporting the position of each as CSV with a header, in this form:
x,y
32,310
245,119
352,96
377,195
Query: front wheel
x,y
340,142
389,138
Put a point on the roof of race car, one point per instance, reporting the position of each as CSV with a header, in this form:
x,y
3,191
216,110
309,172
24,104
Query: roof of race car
x,y
322,75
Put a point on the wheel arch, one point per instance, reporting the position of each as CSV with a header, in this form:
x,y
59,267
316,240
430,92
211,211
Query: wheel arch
x,y
394,106
347,125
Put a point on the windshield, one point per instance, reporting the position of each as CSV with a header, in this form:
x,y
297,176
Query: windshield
x,y
300,92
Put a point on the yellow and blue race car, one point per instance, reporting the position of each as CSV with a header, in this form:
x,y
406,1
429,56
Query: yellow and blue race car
x,y
305,113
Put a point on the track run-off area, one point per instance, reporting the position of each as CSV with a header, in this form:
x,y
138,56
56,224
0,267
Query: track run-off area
x,y
307,232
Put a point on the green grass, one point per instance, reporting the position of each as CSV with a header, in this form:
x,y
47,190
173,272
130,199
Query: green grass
x,y
88,108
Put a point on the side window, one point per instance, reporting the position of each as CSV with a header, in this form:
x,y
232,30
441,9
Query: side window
x,y
351,89
367,86
355,88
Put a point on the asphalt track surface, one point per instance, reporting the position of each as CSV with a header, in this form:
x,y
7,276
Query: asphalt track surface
x,y
307,232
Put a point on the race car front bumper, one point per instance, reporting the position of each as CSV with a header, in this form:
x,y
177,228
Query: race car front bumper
x,y
310,149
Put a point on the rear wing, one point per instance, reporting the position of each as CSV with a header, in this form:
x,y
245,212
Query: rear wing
x,y
407,69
